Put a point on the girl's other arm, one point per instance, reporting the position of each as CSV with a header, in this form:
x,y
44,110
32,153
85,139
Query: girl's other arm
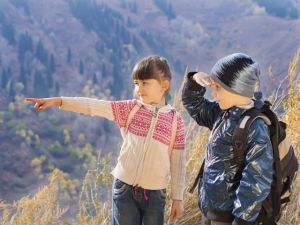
x,y
200,109
178,159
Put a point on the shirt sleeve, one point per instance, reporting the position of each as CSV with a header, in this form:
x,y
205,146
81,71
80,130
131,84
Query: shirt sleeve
x,y
116,111
178,159
88,106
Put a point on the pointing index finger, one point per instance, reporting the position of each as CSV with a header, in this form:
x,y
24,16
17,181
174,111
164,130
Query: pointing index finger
x,y
33,100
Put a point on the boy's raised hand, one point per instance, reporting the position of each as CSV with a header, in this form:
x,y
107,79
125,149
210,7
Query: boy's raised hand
x,y
44,103
203,79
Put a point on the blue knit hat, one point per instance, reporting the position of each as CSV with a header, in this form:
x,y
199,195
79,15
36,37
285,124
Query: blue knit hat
x,y
237,73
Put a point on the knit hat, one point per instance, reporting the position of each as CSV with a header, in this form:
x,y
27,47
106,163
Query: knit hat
x,y
237,73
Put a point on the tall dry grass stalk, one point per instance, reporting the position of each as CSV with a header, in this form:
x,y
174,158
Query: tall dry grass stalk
x,y
95,196
43,208
291,102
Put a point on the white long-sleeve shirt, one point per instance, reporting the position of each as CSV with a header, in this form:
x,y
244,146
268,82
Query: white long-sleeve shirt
x,y
144,158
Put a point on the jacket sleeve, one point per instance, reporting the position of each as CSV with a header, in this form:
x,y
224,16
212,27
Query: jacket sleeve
x,y
116,111
200,109
256,180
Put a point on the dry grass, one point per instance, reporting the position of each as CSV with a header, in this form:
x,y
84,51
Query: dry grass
x,y
42,208
291,102
94,200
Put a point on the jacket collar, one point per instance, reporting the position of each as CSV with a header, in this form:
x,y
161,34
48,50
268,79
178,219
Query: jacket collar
x,y
237,111
153,107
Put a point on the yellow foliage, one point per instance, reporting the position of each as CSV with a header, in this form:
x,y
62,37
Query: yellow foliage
x,y
30,133
81,138
68,187
22,133
20,104
95,91
96,183
37,139
28,136
43,208
36,164
67,137
11,107
28,140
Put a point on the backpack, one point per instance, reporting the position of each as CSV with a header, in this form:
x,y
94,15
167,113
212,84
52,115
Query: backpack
x,y
285,162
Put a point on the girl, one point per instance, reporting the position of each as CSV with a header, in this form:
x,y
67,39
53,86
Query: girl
x,y
148,154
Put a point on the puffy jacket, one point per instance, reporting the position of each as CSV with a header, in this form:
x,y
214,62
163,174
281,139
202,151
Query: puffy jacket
x,y
221,196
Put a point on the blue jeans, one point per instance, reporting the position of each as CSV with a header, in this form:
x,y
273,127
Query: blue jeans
x,y
137,206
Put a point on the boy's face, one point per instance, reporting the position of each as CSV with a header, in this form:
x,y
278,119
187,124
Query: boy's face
x,y
151,91
225,98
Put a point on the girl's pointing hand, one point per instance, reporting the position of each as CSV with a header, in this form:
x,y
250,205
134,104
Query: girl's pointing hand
x,y
44,103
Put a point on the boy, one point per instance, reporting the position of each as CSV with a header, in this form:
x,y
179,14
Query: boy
x,y
225,198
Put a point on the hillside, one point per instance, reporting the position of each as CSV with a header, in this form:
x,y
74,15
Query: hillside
x,y
88,48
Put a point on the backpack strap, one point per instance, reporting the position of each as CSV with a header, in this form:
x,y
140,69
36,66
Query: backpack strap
x,y
240,134
131,114
275,134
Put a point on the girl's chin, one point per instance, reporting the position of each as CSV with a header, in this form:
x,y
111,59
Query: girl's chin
x,y
148,102
144,100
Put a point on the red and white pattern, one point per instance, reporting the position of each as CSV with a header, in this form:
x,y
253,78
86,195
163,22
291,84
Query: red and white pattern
x,y
180,137
163,128
141,123
121,110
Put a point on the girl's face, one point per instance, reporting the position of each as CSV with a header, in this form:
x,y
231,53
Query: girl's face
x,y
151,91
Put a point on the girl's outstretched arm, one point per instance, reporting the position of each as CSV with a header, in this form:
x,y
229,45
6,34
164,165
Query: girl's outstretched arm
x,y
116,111
87,106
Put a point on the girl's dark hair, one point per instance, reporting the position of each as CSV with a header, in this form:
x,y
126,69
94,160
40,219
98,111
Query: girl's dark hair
x,y
152,67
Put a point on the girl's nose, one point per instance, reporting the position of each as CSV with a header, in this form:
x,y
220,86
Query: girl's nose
x,y
138,90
